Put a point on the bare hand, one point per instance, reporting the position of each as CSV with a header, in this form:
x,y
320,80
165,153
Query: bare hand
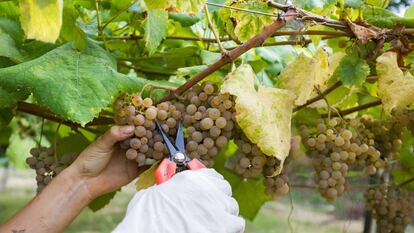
x,y
103,164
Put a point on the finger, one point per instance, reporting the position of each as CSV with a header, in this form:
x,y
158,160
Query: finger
x,y
232,207
211,172
114,135
234,224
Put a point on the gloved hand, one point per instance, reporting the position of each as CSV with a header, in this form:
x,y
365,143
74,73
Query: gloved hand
x,y
192,201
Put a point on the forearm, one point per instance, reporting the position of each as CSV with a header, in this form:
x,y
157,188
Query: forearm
x,y
54,208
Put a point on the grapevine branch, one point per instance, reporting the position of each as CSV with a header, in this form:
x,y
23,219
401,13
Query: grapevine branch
x,y
354,109
192,38
406,182
232,55
319,96
39,111
308,16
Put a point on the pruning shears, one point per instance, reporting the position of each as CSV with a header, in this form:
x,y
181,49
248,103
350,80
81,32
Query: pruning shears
x,y
177,160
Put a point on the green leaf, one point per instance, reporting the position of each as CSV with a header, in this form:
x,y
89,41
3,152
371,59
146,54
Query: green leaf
x,y
244,24
406,152
6,115
306,116
312,4
191,7
18,149
70,28
75,85
352,70
353,3
155,29
8,47
259,113
5,136
395,89
41,19
384,18
12,27
249,193
401,175
409,12
9,9
73,143
378,3
183,19
304,74
101,201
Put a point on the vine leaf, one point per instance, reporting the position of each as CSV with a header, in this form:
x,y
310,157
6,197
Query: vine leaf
x,y
245,25
304,73
147,178
155,29
263,115
191,7
19,148
352,70
384,18
101,201
395,89
71,144
41,20
75,85
8,47
71,31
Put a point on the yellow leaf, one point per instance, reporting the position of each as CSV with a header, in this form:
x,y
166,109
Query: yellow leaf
x,y
147,178
41,19
263,115
395,89
304,74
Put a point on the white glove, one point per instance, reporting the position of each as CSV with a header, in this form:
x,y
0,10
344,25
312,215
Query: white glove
x,y
192,201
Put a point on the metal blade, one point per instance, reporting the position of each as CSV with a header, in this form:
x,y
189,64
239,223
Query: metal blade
x,y
171,148
179,140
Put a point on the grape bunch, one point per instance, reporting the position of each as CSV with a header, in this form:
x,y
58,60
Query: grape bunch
x,y
386,134
333,148
275,186
250,160
392,208
43,161
147,142
208,118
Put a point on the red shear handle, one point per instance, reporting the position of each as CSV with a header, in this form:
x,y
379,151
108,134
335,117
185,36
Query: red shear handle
x,y
195,164
165,171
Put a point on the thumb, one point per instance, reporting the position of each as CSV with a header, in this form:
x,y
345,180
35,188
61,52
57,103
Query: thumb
x,y
113,135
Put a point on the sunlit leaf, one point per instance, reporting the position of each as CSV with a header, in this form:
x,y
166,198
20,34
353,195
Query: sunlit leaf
x,y
18,149
304,74
41,19
259,113
243,24
395,88
155,29
191,7
147,178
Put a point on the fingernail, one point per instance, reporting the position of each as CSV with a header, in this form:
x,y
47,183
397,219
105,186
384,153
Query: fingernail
x,y
128,129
